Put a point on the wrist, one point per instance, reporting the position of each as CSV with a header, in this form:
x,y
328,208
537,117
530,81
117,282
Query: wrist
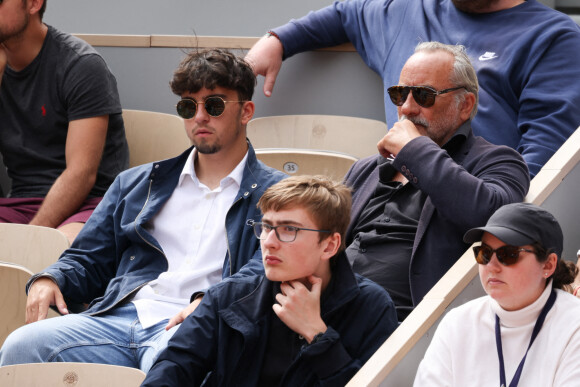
x,y
271,33
316,334
316,338
275,43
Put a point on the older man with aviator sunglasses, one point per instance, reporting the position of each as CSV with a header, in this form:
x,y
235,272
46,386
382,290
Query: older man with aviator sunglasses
x,y
163,232
432,181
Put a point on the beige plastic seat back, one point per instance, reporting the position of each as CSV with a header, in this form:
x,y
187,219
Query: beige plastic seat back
x,y
70,375
13,278
153,136
307,162
33,247
350,135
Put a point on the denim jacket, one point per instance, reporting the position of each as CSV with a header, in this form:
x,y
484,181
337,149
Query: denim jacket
x,y
115,255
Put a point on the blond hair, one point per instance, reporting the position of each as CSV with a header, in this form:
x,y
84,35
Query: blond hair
x,y
327,201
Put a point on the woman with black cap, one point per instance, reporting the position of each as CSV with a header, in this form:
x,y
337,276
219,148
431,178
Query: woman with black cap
x,y
526,331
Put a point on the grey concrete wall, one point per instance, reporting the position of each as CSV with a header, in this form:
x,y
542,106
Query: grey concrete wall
x,y
176,17
311,83
185,17
307,83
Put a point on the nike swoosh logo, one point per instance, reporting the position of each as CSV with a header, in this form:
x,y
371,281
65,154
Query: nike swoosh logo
x,y
487,57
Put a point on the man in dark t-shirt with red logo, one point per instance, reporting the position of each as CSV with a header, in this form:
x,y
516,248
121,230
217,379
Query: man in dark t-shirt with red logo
x,y
61,131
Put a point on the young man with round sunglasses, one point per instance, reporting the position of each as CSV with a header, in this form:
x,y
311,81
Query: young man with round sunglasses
x,y
62,137
163,232
526,56
308,321
432,180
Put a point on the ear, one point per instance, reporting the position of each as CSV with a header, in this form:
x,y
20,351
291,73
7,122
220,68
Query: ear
x,y
248,109
34,6
466,106
550,265
331,246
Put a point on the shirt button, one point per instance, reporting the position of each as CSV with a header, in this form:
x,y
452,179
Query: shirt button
x,y
132,257
246,193
254,185
387,220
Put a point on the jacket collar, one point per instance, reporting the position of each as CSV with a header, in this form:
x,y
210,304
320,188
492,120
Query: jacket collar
x,y
168,171
458,138
165,175
250,311
250,178
458,146
179,161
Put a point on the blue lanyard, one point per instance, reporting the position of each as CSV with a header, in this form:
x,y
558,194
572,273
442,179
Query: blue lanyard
x,y
535,332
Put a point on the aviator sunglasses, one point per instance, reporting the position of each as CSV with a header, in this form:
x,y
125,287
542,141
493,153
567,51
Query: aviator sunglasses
x,y
506,255
423,95
214,106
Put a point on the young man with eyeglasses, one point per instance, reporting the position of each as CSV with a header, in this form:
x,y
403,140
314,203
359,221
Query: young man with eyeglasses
x,y
308,321
526,56
62,137
432,180
163,231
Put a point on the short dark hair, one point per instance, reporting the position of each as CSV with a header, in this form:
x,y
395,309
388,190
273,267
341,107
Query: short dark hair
x,y
214,68
566,271
41,10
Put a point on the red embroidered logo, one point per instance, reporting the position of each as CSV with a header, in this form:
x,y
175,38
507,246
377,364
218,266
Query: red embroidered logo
x,y
43,111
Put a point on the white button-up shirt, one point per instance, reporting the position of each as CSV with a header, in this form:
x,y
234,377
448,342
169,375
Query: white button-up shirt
x,y
191,230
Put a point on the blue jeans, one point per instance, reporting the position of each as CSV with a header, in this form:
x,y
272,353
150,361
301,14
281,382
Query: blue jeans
x,y
113,338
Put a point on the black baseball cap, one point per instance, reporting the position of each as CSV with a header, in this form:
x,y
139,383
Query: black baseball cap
x,y
520,224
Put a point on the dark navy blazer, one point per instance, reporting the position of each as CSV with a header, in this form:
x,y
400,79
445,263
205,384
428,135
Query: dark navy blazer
x,y
463,191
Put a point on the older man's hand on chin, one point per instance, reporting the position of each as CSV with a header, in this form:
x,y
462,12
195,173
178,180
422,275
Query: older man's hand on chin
x,y
397,137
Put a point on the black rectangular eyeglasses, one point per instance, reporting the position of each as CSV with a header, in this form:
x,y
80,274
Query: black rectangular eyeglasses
x,y
284,233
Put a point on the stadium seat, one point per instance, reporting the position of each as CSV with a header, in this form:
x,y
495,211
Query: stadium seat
x,y
153,136
307,162
353,136
70,374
